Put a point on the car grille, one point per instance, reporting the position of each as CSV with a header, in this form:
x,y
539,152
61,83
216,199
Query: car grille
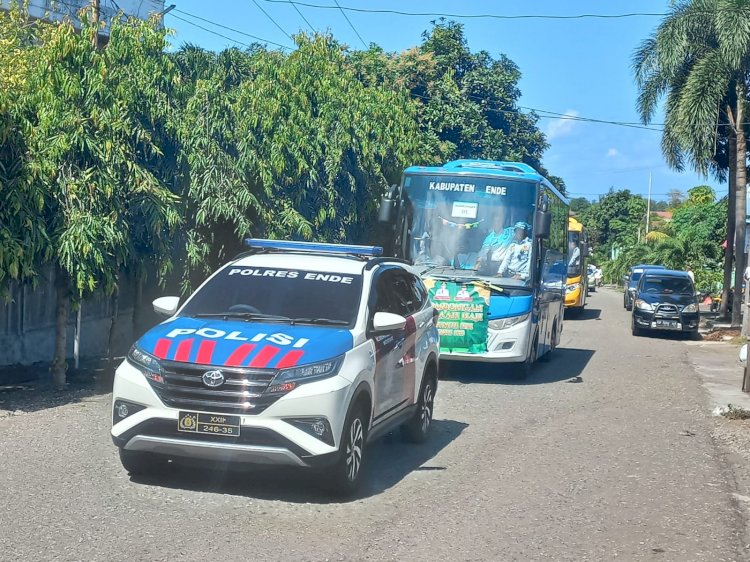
x,y
241,393
666,309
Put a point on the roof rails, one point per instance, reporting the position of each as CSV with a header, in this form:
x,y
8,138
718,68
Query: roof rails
x,y
517,167
313,247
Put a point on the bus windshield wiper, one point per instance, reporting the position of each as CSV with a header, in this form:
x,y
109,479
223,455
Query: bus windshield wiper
x,y
244,316
323,321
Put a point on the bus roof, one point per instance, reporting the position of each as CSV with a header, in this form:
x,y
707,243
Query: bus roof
x,y
510,170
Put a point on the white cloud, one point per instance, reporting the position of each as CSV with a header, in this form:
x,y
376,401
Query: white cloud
x,y
612,152
562,126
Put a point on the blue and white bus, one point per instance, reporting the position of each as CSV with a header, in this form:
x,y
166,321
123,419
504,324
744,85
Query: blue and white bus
x,y
490,241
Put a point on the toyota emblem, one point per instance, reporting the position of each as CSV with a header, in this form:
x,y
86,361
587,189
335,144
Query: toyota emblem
x,y
212,379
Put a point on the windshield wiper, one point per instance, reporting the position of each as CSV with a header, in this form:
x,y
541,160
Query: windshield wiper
x,y
244,316
323,321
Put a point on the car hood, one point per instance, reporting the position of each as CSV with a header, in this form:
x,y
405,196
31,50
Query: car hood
x,y
233,343
660,298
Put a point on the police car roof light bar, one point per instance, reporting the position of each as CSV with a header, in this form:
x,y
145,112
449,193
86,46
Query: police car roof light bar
x,y
314,247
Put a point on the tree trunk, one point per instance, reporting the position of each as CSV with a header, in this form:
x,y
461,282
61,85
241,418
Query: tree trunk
x,y
740,212
62,296
115,302
138,304
732,204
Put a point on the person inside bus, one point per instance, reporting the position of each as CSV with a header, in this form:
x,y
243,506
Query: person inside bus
x,y
575,255
495,244
517,261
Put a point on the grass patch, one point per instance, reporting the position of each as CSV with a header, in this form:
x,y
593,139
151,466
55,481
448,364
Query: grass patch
x,y
735,413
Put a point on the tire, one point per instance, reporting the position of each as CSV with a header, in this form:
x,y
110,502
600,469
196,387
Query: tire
x,y
636,331
525,368
629,306
417,429
346,474
138,463
553,346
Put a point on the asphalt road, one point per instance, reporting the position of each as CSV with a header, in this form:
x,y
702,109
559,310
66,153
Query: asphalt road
x,y
604,453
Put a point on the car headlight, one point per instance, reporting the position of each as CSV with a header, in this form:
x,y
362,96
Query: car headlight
x,y
572,287
288,379
691,308
504,323
146,364
643,305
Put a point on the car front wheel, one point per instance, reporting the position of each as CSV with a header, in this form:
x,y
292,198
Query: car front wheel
x,y
347,472
137,462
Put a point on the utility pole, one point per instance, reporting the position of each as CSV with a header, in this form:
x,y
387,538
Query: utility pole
x,y
95,18
648,203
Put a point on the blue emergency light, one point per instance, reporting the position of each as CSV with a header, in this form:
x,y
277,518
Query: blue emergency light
x,y
313,247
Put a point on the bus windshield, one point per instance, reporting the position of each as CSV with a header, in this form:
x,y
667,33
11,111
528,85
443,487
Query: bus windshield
x,y
471,226
574,254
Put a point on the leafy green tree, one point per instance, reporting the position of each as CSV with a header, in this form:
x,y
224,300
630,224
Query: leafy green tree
x,y
579,204
616,219
699,60
92,156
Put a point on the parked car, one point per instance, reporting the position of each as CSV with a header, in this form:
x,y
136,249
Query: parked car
x,y
294,354
665,300
591,273
633,277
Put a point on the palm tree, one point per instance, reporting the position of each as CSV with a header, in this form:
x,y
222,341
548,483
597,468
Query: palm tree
x,y
699,60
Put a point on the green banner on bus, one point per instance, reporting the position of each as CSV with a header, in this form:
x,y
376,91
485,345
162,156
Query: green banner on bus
x,y
463,315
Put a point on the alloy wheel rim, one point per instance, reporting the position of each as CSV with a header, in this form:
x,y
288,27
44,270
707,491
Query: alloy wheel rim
x,y
354,449
427,404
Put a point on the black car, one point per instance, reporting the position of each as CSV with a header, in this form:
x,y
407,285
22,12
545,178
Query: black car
x,y
633,277
665,300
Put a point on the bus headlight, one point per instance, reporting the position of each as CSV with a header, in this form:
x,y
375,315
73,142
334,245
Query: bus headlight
x,y
505,323
572,288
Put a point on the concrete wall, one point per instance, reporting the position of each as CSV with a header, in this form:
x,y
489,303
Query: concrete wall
x,y
27,324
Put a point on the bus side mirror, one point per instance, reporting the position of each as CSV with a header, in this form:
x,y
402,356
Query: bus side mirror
x,y
387,212
585,249
542,224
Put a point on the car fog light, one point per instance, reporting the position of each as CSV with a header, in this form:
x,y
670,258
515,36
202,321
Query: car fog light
x,y
317,427
123,409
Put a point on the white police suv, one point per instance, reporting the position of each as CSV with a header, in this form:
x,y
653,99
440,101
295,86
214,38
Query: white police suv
x,y
292,354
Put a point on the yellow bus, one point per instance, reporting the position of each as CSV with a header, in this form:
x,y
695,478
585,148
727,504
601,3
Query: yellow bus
x,y
576,288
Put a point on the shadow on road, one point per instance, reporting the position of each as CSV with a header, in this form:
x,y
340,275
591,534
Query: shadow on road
x,y
566,364
587,313
391,460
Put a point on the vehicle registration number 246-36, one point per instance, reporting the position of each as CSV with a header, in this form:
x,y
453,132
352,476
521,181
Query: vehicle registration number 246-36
x,y
211,424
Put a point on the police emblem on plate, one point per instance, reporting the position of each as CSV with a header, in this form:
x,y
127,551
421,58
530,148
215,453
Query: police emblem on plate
x,y
213,379
188,422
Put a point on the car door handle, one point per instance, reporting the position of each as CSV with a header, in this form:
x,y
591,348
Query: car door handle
x,y
421,324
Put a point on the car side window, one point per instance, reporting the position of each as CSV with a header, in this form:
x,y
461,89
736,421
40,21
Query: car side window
x,y
419,290
406,300
384,301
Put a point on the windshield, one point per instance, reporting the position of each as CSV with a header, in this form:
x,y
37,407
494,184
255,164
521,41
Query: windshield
x,y
574,254
667,286
258,293
472,226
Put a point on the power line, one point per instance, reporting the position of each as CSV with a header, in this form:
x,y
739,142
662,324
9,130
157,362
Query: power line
x,y
272,20
302,16
475,16
228,29
211,31
343,13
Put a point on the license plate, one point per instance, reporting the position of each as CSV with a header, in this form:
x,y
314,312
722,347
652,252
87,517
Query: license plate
x,y
674,324
210,424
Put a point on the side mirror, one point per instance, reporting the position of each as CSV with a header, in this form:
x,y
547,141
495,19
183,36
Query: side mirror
x,y
387,322
387,211
542,224
585,249
166,306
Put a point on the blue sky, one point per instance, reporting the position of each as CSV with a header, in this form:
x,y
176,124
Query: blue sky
x,y
578,67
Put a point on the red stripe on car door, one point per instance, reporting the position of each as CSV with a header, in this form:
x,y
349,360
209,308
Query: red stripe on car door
x,y
162,348
183,350
290,359
206,352
239,355
264,356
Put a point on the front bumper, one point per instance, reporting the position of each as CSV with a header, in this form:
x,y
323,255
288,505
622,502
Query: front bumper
x,y
264,438
503,346
646,319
